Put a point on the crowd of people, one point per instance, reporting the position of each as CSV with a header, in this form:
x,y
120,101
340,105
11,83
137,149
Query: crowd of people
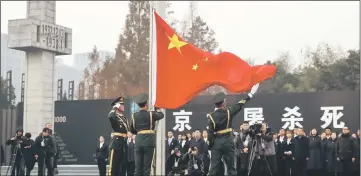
x,y
25,152
282,153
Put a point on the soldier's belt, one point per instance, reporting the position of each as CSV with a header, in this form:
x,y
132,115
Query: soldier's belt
x,y
228,130
146,132
120,134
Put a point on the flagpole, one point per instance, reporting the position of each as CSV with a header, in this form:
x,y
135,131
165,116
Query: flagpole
x,y
160,7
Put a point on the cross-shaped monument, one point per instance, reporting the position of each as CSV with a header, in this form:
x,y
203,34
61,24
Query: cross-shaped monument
x,y
42,40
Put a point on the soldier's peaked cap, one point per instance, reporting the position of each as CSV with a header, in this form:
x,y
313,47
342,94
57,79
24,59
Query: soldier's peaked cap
x,y
219,97
118,100
141,98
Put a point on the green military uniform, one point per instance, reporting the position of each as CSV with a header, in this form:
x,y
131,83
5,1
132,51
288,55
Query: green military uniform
x,y
118,146
142,124
220,136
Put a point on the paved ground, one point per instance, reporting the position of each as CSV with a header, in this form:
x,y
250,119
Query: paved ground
x,y
68,170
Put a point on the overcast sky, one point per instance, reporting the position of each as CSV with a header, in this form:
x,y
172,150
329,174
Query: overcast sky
x,y
257,30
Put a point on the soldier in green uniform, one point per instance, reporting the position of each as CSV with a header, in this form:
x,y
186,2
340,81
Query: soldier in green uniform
x,y
142,124
220,133
118,146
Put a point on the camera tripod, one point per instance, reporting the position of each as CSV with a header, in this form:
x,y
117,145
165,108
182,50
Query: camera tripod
x,y
17,149
257,145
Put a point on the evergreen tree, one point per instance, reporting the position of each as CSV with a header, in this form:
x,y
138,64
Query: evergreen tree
x,y
132,52
6,101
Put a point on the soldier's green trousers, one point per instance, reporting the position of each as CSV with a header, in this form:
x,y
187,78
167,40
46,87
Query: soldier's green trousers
x,y
143,154
222,147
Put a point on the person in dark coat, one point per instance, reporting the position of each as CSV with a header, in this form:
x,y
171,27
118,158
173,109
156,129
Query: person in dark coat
x,y
287,153
206,154
330,155
281,159
101,156
184,144
2,156
314,164
346,152
29,153
177,163
241,143
356,168
300,153
195,162
171,143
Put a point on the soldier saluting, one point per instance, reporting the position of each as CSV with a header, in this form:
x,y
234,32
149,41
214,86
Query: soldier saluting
x,y
118,146
142,124
220,132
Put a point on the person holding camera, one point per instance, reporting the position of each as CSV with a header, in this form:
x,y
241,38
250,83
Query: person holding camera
x,y
264,161
18,163
44,147
220,133
177,163
195,162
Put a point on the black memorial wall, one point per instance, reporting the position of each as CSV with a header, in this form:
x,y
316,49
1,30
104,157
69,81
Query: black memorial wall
x,y
79,123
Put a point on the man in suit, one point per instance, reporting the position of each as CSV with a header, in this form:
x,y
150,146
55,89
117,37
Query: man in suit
x,y
171,144
101,156
300,153
131,161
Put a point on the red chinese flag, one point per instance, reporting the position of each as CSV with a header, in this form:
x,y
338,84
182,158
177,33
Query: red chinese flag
x,y
183,70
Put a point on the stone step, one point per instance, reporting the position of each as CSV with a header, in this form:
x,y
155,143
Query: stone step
x,y
65,170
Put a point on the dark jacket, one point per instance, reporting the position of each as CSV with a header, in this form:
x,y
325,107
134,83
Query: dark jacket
x,y
346,147
102,153
181,163
47,148
280,148
300,149
169,147
29,152
330,156
315,146
184,148
192,161
201,145
288,147
2,155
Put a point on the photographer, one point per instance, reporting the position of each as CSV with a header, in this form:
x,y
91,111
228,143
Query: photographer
x,y
264,154
29,153
44,147
177,163
195,162
18,164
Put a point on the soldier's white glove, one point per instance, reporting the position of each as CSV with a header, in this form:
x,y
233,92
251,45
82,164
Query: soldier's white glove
x,y
116,105
253,90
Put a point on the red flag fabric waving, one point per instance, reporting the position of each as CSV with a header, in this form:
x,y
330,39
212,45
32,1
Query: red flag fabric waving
x,y
183,70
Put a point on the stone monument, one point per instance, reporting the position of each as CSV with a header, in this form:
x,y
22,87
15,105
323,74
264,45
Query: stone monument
x,y
42,40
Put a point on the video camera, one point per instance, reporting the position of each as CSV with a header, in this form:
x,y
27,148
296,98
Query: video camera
x,y
255,129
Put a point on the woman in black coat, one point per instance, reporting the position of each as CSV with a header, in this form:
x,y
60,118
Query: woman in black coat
x,y
331,157
184,144
314,164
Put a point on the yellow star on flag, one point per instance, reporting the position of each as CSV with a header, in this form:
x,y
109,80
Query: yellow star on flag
x,y
175,43
195,67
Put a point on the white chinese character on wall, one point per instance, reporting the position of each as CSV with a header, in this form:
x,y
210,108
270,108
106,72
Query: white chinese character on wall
x,y
253,115
332,114
292,118
182,120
